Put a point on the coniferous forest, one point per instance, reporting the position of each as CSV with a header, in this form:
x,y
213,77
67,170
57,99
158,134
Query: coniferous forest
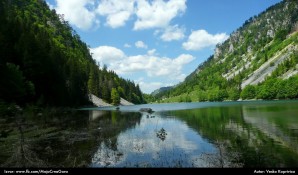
x,y
43,61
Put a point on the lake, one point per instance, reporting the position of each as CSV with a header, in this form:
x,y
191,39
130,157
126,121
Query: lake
x,y
209,134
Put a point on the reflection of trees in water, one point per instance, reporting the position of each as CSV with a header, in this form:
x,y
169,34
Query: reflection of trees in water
x,y
56,137
110,125
238,142
223,158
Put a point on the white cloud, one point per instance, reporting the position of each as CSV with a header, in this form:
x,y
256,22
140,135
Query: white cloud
x,y
151,52
200,39
117,12
107,54
153,66
158,13
183,59
173,33
78,13
141,44
127,45
147,13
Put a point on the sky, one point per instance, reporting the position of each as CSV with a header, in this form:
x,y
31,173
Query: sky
x,y
155,43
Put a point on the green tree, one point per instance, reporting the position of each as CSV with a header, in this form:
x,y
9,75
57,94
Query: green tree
x,y
249,92
292,87
13,85
115,97
233,94
202,95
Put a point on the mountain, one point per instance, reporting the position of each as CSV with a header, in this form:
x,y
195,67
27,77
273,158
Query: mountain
x,y
43,61
160,90
259,60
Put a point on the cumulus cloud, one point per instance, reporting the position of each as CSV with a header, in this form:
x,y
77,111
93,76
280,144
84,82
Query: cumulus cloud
x,y
158,13
141,44
200,39
173,33
107,54
147,14
183,59
153,66
116,12
78,13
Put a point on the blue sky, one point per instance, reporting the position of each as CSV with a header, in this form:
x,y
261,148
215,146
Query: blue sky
x,y
155,43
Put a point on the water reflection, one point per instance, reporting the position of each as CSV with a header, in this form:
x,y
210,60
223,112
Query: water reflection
x,y
234,135
248,134
175,146
277,123
261,134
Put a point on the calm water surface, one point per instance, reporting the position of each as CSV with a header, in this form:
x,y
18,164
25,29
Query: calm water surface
x,y
223,134
228,134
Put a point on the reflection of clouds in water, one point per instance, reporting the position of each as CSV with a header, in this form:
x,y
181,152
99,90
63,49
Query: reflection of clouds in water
x,y
143,138
141,143
106,156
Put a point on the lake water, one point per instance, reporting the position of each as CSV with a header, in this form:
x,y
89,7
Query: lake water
x,y
225,134
210,134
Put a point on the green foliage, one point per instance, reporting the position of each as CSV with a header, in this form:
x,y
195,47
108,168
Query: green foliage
x,y
202,96
249,92
115,97
233,94
267,90
13,85
281,34
273,89
185,98
44,61
149,98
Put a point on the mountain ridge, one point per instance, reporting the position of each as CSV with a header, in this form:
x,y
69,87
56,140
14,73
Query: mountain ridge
x,y
263,48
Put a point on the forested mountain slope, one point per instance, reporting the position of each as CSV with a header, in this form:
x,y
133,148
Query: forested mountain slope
x,y
258,60
44,61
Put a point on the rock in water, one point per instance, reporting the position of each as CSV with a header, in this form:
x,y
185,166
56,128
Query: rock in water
x,y
149,110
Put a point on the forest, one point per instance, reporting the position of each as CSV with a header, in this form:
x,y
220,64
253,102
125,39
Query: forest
x,y
44,62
